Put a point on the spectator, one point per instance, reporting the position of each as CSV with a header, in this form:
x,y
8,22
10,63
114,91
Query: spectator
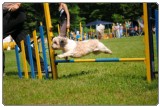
x,y
136,30
100,31
117,31
114,30
127,26
121,30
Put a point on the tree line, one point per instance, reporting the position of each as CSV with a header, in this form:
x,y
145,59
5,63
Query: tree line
x,y
84,13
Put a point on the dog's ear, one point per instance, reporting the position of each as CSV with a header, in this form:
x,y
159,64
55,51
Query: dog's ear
x,y
63,42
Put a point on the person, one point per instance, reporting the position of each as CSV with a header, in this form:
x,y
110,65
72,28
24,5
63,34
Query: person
x,y
136,30
64,18
13,22
121,30
117,31
114,30
100,30
127,26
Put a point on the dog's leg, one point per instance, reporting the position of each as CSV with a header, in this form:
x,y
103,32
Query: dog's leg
x,y
102,48
64,55
66,58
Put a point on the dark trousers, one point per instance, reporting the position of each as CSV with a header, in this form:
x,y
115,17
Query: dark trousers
x,y
13,25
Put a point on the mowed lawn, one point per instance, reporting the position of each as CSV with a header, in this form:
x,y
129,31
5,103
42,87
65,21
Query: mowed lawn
x,y
111,83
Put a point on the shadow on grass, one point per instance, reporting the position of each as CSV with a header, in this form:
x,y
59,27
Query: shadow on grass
x,y
75,75
11,73
64,76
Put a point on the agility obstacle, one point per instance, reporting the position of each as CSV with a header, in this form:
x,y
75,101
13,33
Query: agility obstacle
x,y
147,58
53,62
32,69
157,28
102,60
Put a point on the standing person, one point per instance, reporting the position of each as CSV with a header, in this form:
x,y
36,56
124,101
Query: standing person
x,y
136,30
64,18
121,30
13,21
117,31
114,30
100,31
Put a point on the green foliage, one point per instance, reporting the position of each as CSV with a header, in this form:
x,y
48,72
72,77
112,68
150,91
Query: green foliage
x,y
84,13
74,16
118,18
85,29
131,11
34,15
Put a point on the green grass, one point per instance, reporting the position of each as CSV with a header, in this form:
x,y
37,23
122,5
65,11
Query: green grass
x,y
113,83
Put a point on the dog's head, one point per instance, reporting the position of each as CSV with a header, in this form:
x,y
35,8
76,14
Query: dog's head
x,y
59,42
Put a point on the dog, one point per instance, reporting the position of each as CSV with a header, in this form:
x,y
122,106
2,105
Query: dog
x,y
78,49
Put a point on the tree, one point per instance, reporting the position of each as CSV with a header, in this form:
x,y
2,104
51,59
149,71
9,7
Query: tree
x,y
33,14
117,18
84,13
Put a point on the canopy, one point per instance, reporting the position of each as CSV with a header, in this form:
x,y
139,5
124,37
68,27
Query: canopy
x,y
97,22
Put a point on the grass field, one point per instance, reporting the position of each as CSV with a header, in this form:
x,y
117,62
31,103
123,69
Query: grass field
x,y
113,83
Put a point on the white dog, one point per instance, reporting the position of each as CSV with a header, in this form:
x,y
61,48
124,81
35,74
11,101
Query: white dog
x,y
76,49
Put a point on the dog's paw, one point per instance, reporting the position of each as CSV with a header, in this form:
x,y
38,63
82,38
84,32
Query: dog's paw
x,y
61,56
